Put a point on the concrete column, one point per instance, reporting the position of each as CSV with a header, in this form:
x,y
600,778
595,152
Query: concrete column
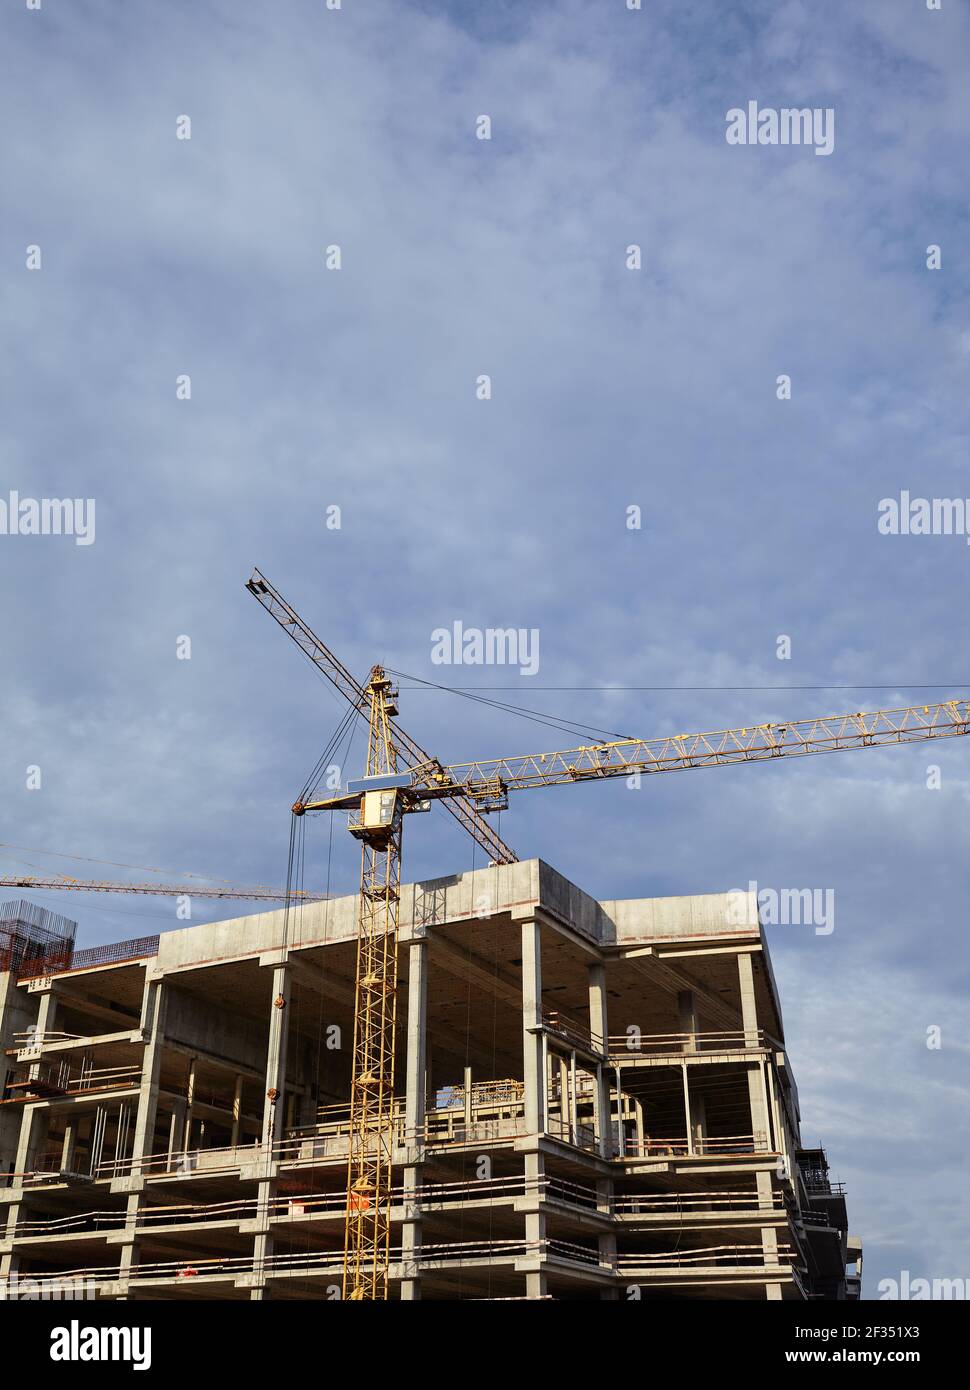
x,y
67,1148
22,1162
17,1014
416,1062
535,1097
263,1241
599,1027
189,1107
535,1225
535,1073
156,1000
598,1018
35,1121
607,1241
154,1008
769,1236
778,1125
546,1070
698,1122
273,1116
771,1138
174,1134
415,1111
688,1023
749,1006
758,1106
236,1111
273,1109
467,1090
565,1109
749,1018
690,1134
573,1101
687,1019
46,1013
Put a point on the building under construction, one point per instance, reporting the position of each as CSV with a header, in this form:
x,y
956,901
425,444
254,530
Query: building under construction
x,y
591,1100
484,1086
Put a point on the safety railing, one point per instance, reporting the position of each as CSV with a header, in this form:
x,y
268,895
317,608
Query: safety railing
x,y
687,1204
326,1262
580,1135
708,1257
37,1037
817,1182
634,1043
572,1030
64,1080
490,1100
95,1222
681,1147
45,1163
569,1250
722,1257
301,1204
311,1145
486,1123
483,1093
180,1162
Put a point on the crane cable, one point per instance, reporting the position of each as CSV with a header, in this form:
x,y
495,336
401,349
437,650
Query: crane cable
x,y
567,726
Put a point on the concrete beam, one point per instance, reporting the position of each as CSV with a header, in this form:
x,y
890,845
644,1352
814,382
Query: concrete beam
x,y
674,979
478,972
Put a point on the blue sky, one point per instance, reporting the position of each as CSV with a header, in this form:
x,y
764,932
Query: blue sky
x,y
610,388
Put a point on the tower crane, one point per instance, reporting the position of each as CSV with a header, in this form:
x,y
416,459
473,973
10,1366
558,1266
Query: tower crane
x,y
161,890
398,782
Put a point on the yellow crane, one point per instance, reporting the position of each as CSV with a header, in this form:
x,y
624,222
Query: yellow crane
x,y
162,890
389,747
396,784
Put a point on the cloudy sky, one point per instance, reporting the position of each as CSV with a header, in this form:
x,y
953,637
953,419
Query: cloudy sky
x,y
610,388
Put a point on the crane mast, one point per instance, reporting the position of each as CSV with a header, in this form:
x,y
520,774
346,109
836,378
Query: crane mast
x,y
378,827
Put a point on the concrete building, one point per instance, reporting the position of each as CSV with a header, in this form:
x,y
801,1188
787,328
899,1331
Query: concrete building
x,y
595,1101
